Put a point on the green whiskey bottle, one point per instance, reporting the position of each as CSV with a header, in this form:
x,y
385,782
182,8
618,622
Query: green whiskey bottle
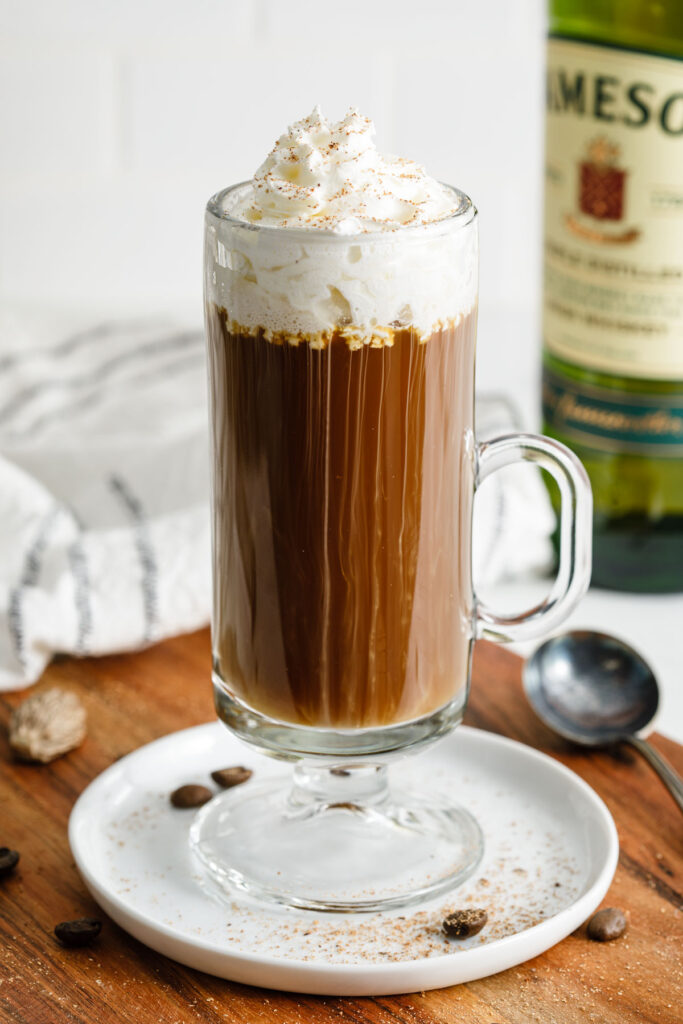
x,y
613,276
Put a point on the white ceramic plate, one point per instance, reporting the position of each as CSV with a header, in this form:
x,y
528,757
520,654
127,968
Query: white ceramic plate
x,y
551,852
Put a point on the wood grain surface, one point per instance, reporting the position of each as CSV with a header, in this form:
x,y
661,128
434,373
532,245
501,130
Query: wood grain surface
x,y
133,699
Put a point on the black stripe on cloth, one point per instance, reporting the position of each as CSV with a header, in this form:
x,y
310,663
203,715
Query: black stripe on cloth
x,y
154,374
79,570
73,342
30,574
149,571
97,375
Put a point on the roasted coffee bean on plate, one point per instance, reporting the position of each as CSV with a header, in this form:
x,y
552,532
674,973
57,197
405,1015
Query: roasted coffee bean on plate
x,y
609,923
8,861
190,796
229,777
461,924
78,933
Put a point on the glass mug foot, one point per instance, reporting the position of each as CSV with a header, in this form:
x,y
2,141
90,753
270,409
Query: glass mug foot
x,y
337,838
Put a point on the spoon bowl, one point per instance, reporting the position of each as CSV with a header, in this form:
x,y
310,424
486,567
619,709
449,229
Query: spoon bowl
x,y
595,690
591,688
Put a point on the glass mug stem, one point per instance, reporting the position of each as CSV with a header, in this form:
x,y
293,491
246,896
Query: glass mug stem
x,y
340,814
574,569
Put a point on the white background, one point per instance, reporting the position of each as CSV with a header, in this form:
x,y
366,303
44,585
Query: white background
x,y
118,118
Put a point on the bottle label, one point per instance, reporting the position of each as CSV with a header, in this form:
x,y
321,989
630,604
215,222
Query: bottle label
x,y
614,420
614,210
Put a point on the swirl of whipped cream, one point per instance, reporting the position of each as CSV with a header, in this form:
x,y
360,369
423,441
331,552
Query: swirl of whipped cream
x,y
329,176
393,249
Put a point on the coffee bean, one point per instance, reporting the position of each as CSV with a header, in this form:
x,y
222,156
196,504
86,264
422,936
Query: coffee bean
x,y
606,925
78,933
8,861
190,796
229,777
460,924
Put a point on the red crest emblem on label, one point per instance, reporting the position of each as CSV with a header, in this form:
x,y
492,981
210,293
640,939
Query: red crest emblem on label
x,y
601,182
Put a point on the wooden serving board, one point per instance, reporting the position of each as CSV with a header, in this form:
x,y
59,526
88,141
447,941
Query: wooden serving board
x,y
133,699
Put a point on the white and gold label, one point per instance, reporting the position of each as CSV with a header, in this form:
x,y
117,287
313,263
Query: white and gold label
x,y
613,288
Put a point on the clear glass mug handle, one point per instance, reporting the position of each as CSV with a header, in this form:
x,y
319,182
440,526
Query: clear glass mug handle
x,y
574,570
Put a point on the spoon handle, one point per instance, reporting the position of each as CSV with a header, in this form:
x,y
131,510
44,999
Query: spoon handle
x,y
669,777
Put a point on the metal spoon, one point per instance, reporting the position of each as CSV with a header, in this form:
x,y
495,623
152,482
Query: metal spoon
x,y
596,690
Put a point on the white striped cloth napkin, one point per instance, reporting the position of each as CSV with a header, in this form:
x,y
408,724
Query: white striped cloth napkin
x,y
104,521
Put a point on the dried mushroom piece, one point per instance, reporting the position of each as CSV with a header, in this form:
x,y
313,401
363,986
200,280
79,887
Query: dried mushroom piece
x,y
46,725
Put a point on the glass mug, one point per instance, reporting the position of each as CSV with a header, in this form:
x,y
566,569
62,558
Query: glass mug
x,y
344,467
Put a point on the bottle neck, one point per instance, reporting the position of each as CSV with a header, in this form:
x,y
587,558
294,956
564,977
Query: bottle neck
x,y
644,25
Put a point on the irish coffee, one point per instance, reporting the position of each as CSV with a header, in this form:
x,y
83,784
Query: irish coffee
x,y
342,494
341,307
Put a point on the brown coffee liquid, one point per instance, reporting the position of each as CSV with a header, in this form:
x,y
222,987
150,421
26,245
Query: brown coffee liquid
x,y
342,493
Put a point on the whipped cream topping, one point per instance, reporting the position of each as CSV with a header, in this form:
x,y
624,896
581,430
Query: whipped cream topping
x,y
393,249
329,176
